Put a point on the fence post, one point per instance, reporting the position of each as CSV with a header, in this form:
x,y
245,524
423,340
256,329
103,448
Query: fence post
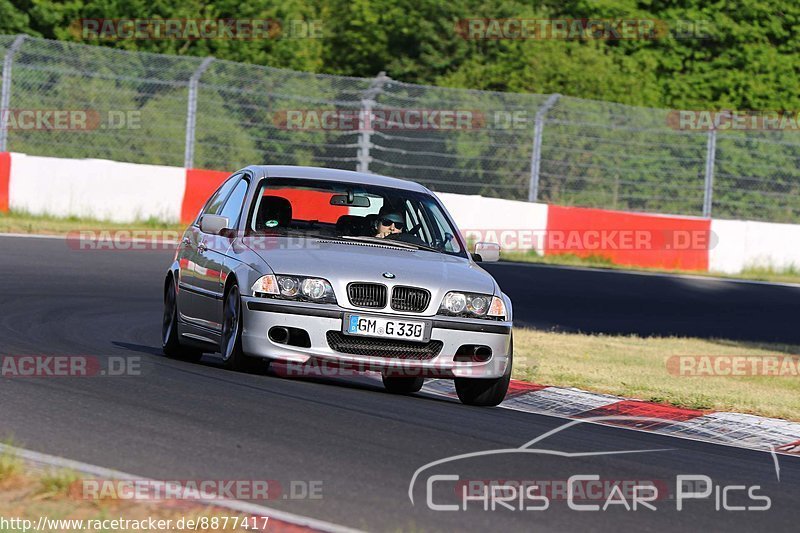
x,y
5,95
365,121
191,113
536,155
711,155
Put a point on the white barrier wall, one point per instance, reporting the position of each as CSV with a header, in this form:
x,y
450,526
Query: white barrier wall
x,y
128,192
95,188
744,243
727,251
513,224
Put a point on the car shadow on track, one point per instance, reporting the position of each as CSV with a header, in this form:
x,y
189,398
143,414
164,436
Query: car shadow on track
x,y
354,381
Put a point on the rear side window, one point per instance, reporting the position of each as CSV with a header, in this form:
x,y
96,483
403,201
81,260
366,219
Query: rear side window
x,y
233,206
218,198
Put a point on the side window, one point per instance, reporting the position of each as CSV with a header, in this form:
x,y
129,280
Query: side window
x,y
425,229
410,215
414,217
233,206
216,200
440,223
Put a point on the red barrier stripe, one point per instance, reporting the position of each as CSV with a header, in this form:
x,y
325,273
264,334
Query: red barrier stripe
x,y
517,387
306,205
5,180
200,184
792,448
647,409
310,205
629,238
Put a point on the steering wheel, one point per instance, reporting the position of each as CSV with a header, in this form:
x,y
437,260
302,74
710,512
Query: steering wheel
x,y
415,230
406,237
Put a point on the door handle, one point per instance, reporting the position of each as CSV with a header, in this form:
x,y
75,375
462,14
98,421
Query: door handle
x,y
186,241
202,247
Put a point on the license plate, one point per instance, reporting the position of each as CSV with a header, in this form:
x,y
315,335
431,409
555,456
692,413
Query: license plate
x,y
391,328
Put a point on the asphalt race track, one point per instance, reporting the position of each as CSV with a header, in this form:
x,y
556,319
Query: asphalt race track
x,y
618,302
196,421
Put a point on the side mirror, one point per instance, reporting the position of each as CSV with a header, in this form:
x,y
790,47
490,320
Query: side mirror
x,y
213,224
488,252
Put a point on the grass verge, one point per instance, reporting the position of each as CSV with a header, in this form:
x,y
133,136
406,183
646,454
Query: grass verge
x,y
26,494
636,367
774,275
10,466
19,222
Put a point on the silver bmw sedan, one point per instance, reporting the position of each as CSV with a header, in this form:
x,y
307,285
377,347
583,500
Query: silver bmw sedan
x,y
306,265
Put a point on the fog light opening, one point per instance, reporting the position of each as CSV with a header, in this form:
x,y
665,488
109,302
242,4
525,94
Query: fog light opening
x,y
290,336
279,335
473,353
481,354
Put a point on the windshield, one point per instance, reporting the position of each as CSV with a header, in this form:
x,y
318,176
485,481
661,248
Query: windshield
x,y
340,210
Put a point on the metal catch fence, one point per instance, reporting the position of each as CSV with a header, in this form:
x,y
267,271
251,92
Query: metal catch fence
x,y
215,114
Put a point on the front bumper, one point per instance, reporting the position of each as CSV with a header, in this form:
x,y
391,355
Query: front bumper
x,y
261,314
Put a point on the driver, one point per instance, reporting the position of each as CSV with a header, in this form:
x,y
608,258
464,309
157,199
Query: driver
x,y
388,224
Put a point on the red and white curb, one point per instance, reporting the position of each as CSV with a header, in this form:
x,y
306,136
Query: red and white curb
x,y
731,429
280,521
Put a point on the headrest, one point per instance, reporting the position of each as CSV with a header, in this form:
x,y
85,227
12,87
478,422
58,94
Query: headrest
x,y
274,211
350,225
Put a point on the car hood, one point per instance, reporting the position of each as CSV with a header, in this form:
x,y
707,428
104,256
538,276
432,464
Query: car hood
x,y
343,262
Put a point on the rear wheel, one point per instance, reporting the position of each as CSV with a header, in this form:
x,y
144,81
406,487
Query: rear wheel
x,y
233,358
170,341
486,392
402,385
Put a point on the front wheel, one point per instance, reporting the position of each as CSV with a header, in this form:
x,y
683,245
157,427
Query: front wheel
x,y
486,392
233,358
170,342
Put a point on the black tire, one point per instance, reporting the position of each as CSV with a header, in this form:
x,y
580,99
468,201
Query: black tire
x,y
170,341
233,358
486,392
402,385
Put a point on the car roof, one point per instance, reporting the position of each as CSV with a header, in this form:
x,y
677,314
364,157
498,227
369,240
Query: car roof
x,y
331,174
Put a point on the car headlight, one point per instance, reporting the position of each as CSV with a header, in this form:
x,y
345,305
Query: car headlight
x,y
454,302
473,305
298,288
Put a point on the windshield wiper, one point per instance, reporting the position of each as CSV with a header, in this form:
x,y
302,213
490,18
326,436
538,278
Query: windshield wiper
x,y
286,232
391,242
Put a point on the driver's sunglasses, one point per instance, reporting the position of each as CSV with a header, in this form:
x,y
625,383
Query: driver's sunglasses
x,y
386,222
